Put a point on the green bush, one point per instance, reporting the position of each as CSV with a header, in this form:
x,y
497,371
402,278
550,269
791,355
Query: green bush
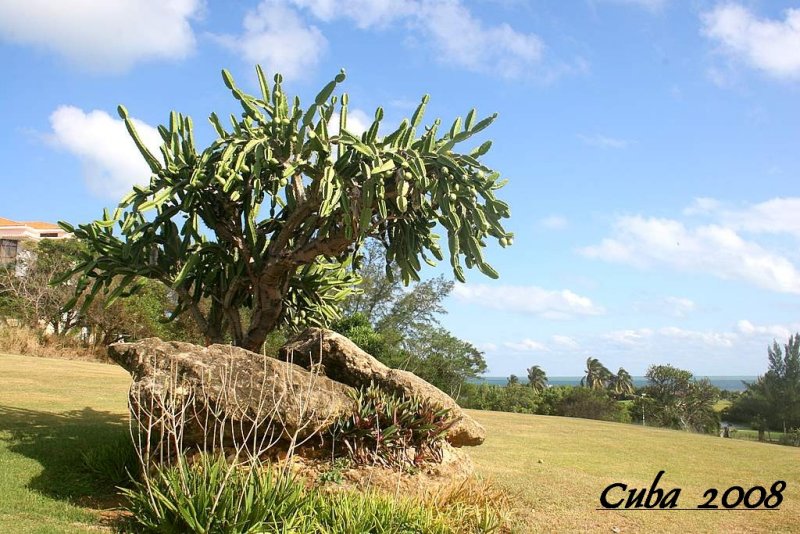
x,y
591,404
385,427
114,462
346,513
211,496
515,398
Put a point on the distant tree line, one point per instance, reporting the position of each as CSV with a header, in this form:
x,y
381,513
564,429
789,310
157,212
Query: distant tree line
x,y
672,397
772,402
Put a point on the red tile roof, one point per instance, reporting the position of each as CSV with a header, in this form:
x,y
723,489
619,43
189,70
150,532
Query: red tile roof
x,y
39,225
9,222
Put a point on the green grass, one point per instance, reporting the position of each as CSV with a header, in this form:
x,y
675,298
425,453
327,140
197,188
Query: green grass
x,y
53,410
50,412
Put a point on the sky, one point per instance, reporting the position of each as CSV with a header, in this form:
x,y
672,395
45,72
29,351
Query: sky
x,y
651,147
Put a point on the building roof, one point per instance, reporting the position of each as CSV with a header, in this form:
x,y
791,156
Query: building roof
x,y
39,225
9,222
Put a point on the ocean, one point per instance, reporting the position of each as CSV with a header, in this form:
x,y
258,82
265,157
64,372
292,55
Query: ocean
x,y
729,383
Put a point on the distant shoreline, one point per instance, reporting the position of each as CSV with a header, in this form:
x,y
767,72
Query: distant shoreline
x,y
728,383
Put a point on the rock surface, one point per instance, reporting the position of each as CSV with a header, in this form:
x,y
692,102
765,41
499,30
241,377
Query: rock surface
x,y
249,390
343,361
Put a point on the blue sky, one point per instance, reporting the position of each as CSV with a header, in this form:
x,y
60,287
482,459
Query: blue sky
x,y
651,146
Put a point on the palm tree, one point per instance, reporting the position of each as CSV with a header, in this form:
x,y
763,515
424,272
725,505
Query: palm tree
x,y
621,383
597,376
537,378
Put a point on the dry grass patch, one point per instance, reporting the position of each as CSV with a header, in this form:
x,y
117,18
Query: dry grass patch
x,y
559,466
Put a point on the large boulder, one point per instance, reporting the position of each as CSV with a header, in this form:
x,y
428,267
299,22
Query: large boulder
x,y
340,359
229,393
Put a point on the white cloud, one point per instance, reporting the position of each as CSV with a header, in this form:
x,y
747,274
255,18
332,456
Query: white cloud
x,y
628,337
603,141
486,347
357,122
526,345
100,35
780,332
775,216
456,34
463,39
679,306
554,222
534,300
565,341
638,338
712,249
276,37
702,206
365,13
708,338
772,46
111,162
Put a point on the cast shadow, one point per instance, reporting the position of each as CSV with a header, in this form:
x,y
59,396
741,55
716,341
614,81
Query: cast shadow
x,y
56,441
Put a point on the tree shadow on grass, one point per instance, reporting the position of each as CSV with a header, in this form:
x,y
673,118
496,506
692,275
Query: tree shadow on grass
x,y
56,441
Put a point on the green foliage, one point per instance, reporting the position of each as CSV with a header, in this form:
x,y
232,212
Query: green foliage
x,y
26,290
513,398
346,513
386,429
537,378
289,201
334,472
443,360
677,400
210,495
33,293
114,462
141,315
358,329
773,401
597,375
621,384
400,328
791,438
567,401
591,404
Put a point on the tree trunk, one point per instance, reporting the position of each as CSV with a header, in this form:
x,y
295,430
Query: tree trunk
x,y
266,314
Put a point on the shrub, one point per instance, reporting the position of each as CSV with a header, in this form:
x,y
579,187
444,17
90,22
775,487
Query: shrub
x,y
349,512
791,437
210,495
386,429
591,404
115,463
513,398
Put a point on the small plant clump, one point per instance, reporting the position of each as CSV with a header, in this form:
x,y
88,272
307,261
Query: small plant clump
x,y
115,462
212,495
392,430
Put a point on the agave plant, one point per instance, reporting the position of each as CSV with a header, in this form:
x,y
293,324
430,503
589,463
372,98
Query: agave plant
x,y
385,428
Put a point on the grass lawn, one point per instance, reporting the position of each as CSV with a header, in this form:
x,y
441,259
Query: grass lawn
x,y
579,458
51,410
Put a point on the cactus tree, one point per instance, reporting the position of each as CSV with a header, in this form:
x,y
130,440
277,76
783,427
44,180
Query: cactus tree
x,y
260,228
